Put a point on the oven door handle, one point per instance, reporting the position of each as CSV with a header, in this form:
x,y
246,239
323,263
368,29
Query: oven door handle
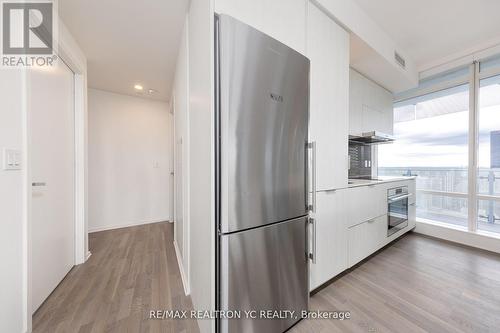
x,y
401,197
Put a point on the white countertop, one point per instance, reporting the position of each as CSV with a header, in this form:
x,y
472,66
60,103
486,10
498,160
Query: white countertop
x,y
379,180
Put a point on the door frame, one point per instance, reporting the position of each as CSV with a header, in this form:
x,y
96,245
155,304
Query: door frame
x,y
174,159
70,53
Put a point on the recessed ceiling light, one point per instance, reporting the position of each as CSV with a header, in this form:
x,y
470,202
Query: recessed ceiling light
x,y
138,87
151,91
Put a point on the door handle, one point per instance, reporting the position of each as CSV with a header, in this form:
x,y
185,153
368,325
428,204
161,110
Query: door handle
x,y
312,253
312,146
38,184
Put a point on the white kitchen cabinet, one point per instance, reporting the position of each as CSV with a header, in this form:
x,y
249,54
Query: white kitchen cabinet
x,y
284,20
366,203
412,215
330,237
413,191
370,106
328,50
366,238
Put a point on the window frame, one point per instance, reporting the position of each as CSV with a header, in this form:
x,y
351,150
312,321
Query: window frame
x,y
472,78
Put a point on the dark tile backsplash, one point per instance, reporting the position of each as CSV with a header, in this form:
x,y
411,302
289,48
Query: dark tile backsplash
x,y
360,161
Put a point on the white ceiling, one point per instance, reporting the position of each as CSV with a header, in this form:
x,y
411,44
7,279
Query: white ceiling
x,y
128,42
431,30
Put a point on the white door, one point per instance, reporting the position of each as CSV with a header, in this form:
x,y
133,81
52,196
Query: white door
x,y
52,159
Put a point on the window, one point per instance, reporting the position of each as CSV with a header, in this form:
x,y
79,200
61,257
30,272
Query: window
x,y
432,142
488,168
431,127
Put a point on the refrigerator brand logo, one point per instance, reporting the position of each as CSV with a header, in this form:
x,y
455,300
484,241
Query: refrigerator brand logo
x,y
276,97
27,34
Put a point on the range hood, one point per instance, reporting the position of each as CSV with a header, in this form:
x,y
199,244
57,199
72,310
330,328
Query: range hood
x,y
371,138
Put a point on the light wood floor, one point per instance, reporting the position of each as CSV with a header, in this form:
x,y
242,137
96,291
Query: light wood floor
x,y
131,271
417,284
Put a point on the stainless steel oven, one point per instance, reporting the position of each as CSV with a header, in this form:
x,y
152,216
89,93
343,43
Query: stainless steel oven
x,y
397,209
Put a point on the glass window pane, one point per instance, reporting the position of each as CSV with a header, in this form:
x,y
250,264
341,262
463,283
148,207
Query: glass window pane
x,y
488,215
488,173
432,143
450,210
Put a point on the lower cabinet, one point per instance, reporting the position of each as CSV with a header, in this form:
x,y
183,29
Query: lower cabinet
x,y
349,225
412,214
329,239
366,203
366,238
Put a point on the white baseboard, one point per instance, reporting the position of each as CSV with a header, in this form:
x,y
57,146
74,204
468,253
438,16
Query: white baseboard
x,y
124,225
181,269
87,256
481,240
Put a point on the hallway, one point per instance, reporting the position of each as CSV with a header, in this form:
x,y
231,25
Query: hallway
x,y
131,271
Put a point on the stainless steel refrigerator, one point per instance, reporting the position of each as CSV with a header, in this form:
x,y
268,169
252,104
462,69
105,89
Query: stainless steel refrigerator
x,y
262,114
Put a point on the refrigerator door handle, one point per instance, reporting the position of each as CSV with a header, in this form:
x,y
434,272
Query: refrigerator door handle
x,y
312,253
312,146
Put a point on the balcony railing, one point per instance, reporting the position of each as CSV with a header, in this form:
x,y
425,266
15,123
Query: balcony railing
x,y
442,195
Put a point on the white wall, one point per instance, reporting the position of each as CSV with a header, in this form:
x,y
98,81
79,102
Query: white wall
x,y
372,47
180,103
129,160
12,209
201,158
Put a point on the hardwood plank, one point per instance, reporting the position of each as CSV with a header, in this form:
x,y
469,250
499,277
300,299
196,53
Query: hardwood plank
x,y
131,271
416,284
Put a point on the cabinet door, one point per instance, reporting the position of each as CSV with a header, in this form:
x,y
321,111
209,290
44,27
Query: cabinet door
x,y
356,93
328,50
366,203
366,238
330,236
370,106
377,110
412,190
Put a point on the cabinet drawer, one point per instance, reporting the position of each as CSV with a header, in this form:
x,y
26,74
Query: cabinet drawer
x,y
366,238
366,203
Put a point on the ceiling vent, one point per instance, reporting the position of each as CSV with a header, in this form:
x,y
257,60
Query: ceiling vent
x,y
400,60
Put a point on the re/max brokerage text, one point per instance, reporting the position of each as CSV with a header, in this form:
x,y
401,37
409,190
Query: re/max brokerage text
x,y
248,314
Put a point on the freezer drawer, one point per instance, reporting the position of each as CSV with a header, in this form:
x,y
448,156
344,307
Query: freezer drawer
x,y
264,269
264,114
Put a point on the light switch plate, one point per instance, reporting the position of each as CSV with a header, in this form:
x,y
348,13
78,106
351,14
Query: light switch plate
x,y
11,159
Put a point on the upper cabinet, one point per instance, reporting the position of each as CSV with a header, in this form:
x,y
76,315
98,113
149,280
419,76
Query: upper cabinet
x,y
284,20
370,106
328,50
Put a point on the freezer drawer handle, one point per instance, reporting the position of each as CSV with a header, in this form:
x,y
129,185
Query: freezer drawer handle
x,y
312,254
312,146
